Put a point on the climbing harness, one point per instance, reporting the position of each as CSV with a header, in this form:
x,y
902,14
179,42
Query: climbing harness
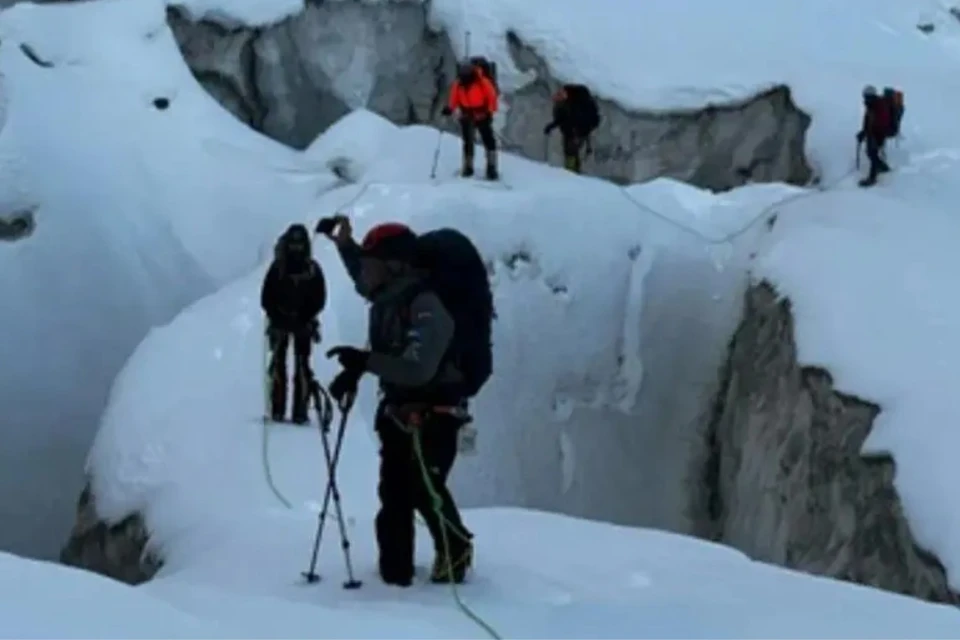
x,y
324,408
445,527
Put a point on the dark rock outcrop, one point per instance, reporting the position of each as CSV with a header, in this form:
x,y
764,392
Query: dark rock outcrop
x,y
118,551
785,480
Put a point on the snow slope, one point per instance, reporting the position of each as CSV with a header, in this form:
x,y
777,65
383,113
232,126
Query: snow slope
x,y
581,403
44,600
136,218
191,459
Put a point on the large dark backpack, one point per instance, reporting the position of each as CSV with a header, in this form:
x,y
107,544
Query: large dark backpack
x,y
458,276
893,98
583,107
489,69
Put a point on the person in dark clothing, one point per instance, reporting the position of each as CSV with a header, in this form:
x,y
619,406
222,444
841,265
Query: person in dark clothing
x,y
876,125
475,97
293,295
572,130
410,335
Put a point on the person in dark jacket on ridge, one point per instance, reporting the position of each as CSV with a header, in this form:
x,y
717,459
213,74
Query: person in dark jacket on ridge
x,y
873,131
410,334
574,132
293,295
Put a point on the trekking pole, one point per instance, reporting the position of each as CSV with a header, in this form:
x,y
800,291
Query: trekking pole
x,y
467,43
436,155
332,489
267,376
857,156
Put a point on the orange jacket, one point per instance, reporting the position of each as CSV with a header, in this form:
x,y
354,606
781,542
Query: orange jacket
x,y
478,99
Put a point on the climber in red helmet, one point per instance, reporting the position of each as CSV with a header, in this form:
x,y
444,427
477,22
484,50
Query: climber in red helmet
x,y
411,337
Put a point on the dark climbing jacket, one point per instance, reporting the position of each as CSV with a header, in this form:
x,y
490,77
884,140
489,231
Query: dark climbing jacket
x,y
294,290
430,331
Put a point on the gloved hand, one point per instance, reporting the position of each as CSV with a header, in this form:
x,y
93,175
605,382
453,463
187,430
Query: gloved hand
x,y
548,129
446,111
861,135
350,358
325,226
315,331
344,386
328,225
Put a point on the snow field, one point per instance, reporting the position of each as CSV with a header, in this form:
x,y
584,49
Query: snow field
x,y
548,422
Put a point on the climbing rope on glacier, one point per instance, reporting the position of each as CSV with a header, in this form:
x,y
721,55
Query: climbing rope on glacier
x,y
267,423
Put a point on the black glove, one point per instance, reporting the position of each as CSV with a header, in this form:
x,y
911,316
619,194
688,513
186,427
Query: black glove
x,y
326,226
861,135
446,111
547,129
350,358
344,385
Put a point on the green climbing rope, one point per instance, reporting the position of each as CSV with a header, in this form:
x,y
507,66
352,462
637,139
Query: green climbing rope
x,y
265,434
437,503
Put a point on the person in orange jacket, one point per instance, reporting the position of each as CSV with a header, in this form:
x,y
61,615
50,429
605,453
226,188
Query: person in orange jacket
x,y
475,97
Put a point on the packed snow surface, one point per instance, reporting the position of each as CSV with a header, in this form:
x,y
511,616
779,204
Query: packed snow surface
x,y
45,600
136,217
191,459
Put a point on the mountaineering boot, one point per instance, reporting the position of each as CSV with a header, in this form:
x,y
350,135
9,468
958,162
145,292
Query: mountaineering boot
x,y
492,173
461,563
466,170
868,182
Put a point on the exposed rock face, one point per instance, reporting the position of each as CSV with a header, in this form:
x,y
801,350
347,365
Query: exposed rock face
x,y
294,79
118,551
786,481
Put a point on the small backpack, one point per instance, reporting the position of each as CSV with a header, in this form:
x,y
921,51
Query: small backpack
x,y
584,107
458,276
894,102
489,69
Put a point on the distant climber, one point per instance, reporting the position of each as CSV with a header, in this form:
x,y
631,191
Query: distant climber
x,y
474,95
293,295
429,335
881,120
576,113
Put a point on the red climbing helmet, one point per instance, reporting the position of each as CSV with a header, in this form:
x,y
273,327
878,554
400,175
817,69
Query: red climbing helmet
x,y
390,241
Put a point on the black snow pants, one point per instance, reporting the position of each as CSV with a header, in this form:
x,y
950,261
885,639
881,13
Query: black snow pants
x,y
468,130
302,374
403,491
874,148
572,146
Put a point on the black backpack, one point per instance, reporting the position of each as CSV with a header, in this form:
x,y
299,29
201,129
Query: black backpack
x,y
489,69
583,106
894,101
458,276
